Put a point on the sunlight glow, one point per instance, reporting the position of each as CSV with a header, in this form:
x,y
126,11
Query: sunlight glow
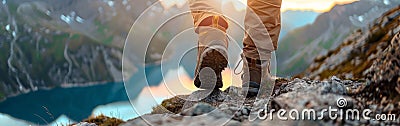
x,y
184,85
169,3
312,5
309,5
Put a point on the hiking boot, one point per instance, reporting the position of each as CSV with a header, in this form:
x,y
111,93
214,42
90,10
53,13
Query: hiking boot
x,y
252,77
211,56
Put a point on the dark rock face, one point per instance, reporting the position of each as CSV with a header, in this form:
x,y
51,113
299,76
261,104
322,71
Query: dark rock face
x,y
384,75
327,32
357,53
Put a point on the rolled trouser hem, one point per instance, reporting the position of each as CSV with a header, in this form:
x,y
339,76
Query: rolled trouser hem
x,y
262,26
201,16
202,9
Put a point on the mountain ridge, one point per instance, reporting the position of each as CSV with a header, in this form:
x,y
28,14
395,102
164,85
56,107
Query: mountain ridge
x,y
327,32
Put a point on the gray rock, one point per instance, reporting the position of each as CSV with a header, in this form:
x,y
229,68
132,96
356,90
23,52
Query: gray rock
x,y
215,117
245,111
85,124
208,108
198,109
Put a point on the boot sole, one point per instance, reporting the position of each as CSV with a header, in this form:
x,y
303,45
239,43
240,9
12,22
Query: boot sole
x,y
217,62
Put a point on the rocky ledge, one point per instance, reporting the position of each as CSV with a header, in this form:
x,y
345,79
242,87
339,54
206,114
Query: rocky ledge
x,y
230,107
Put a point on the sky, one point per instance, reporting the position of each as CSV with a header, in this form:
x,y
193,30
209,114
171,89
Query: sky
x,y
314,5
310,5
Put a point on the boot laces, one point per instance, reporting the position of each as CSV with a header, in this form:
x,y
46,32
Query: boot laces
x,y
238,63
237,66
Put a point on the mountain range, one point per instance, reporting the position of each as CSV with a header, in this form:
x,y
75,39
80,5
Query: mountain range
x,y
297,49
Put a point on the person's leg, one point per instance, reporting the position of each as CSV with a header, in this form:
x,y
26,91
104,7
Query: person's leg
x,y
262,26
203,12
211,27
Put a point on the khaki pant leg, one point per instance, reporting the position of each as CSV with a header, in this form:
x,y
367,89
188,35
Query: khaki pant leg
x,y
201,9
262,25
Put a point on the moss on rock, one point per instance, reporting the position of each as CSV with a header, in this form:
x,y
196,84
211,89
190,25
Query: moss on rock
x,y
172,105
102,120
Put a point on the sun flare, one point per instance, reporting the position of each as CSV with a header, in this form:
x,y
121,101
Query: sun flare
x,y
309,5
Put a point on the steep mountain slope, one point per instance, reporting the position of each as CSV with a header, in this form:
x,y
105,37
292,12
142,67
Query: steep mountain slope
x,y
384,75
358,52
49,43
327,32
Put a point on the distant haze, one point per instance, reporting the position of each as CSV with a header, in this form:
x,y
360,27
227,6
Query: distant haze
x,y
312,5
